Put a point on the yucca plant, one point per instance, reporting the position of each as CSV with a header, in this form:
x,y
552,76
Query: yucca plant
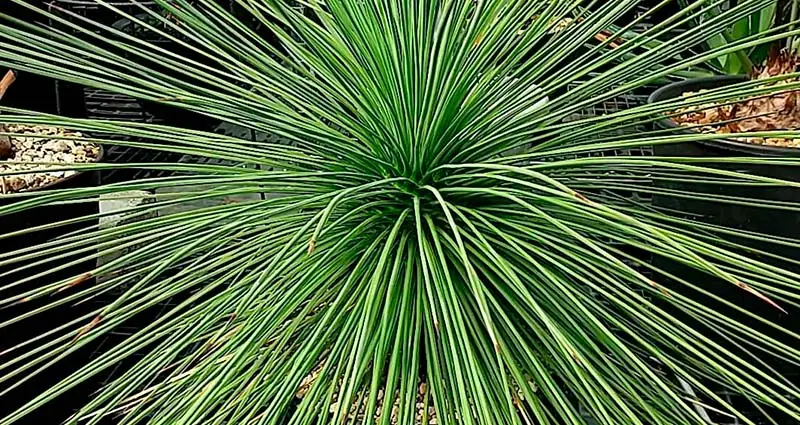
x,y
436,243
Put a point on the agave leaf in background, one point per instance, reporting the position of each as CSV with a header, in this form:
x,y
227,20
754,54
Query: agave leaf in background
x,y
740,61
426,223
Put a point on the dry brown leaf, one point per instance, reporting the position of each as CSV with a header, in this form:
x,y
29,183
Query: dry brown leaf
x,y
778,112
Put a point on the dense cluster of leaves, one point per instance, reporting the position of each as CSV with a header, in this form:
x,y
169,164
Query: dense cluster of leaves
x,y
746,60
431,217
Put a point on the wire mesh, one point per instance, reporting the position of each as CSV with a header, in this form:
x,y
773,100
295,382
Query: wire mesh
x,y
104,105
93,10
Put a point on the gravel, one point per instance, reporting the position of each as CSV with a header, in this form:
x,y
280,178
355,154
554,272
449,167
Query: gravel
x,y
32,145
357,414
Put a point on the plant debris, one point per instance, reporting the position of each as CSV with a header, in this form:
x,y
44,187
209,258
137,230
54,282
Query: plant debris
x,y
777,112
5,142
44,145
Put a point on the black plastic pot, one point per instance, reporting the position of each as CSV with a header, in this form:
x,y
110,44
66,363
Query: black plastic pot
x,y
721,147
750,218
59,410
783,223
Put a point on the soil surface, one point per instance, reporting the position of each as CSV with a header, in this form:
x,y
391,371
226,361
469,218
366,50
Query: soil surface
x,y
357,414
33,145
777,112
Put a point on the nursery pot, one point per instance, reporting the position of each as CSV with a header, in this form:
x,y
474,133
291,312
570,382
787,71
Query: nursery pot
x,y
718,147
783,223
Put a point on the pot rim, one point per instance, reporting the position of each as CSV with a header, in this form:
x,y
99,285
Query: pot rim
x,y
721,143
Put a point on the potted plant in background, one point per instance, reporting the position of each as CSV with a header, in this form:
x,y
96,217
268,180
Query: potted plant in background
x,y
433,249
765,62
761,21
37,157
748,109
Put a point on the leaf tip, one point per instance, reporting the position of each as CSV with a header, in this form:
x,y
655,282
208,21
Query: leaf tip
x,y
17,302
761,296
582,198
312,245
660,288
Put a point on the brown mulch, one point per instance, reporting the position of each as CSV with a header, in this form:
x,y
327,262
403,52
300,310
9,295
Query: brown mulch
x,y
776,112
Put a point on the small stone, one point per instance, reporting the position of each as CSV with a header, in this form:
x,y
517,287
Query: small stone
x,y
6,149
16,183
58,146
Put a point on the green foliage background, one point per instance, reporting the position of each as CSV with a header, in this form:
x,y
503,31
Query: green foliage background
x,y
427,220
